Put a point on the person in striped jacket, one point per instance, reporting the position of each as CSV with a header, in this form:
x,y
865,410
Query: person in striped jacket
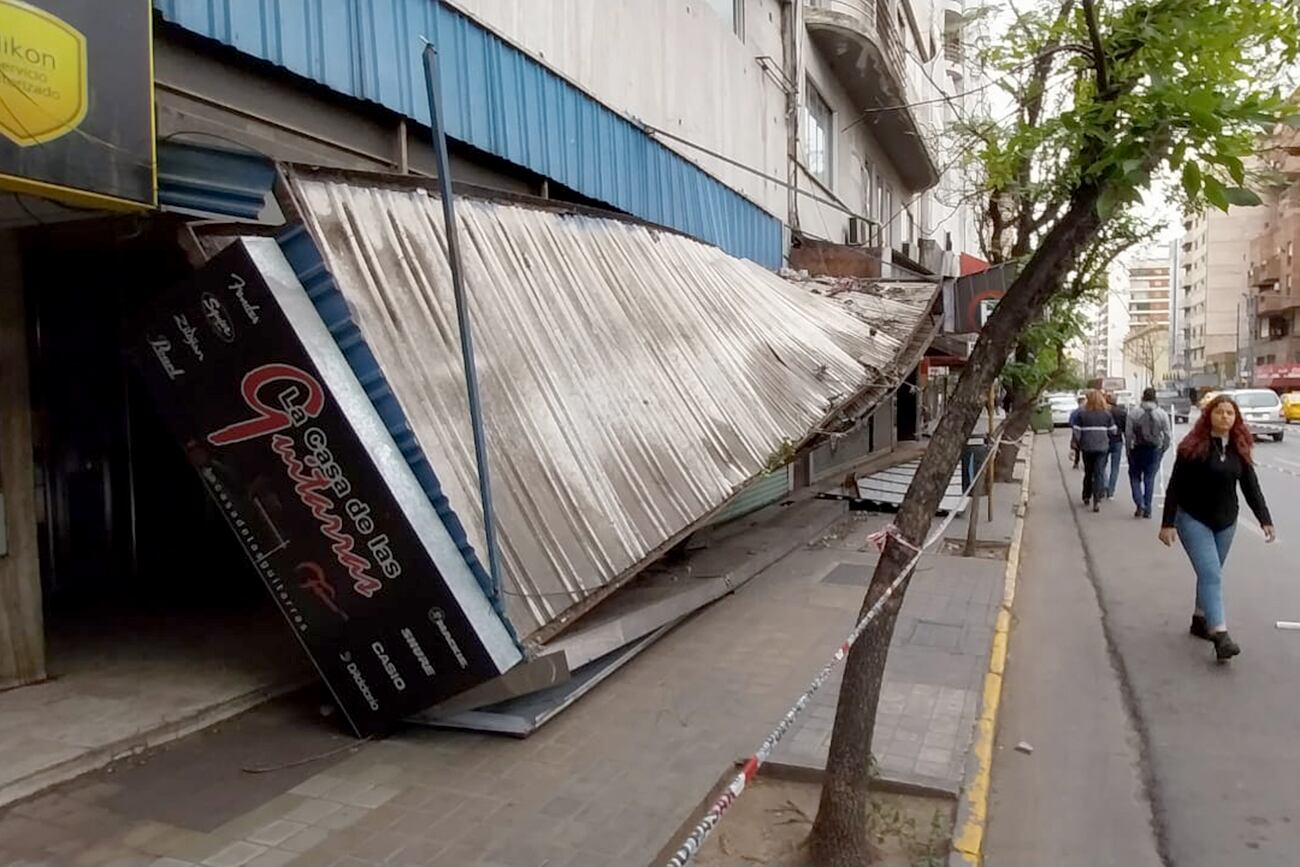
x,y
1090,433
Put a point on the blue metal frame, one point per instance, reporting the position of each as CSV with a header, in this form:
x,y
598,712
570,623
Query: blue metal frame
x,y
497,99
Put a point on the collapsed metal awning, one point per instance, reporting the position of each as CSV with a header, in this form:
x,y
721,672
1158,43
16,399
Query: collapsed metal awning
x,y
633,379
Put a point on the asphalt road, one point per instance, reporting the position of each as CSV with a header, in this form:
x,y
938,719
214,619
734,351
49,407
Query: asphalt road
x,y
1217,747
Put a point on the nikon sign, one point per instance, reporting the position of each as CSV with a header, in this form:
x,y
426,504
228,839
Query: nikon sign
x,y
76,101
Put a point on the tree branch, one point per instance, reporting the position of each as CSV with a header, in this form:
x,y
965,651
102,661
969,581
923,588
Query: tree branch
x,y
1098,52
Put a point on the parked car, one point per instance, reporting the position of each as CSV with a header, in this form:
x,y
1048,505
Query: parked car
x,y
1262,410
1177,404
1062,405
1291,406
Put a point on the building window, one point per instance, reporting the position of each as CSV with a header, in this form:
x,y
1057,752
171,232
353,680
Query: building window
x,y
868,198
732,12
818,135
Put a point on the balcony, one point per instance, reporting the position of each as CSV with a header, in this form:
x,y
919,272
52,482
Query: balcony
x,y
1269,303
862,43
1265,271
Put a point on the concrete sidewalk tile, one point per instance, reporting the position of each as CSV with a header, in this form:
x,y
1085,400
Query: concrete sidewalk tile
x,y
275,833
344,817
306,839
273,858
234,855
318,786
313,810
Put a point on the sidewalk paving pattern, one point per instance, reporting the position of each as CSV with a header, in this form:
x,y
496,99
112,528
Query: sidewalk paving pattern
x,y
611,781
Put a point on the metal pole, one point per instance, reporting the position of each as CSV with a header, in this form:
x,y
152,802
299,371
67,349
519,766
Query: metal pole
x,y
973,519
434,87
993,445
1237,373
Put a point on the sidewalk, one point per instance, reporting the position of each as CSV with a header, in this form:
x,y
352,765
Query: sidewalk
x,y
612,780
1077,799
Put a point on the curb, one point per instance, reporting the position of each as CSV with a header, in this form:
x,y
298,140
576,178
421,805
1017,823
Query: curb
x,y
972,808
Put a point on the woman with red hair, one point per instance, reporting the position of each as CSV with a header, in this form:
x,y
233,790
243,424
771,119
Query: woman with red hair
x,y
1201,509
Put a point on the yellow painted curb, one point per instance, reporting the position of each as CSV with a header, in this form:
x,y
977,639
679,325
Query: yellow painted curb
x,y
968,839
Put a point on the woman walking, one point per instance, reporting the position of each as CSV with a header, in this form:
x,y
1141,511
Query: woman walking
x,y
1091,433
1201,509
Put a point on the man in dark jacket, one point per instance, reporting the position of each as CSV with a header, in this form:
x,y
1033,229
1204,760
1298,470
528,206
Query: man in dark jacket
x,y
1074,440
1119,413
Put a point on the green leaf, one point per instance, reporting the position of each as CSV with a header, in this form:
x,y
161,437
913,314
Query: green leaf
x,y
1191,179
1243,197
1106,203
1216,193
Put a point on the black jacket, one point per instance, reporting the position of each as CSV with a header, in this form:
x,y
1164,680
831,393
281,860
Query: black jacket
x,y
1206,489
1119,413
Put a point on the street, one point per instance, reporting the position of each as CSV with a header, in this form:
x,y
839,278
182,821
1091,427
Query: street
x,y
1207,744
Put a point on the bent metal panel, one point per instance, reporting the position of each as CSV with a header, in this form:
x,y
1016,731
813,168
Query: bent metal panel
x,y
305,498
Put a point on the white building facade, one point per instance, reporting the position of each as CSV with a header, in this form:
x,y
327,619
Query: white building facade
x,y
825,113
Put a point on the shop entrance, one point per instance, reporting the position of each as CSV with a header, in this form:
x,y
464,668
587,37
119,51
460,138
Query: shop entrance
x,y
151,611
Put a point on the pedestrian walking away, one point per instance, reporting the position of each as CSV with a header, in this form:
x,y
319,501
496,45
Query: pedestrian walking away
x,y
1201,510
1091,435
1147,436
1074,421
1119,413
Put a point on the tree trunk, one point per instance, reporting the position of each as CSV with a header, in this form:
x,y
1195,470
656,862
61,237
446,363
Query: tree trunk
x,y
1017,423
839,834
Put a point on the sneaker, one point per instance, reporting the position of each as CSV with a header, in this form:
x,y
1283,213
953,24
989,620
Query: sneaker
x,y
1146,513
1096,505
1224,647
1137,513
1200,628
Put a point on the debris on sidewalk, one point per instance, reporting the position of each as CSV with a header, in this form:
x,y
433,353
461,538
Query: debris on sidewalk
x,y
1025,747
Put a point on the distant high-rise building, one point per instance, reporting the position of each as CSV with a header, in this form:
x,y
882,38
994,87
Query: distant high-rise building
x,y
1148,291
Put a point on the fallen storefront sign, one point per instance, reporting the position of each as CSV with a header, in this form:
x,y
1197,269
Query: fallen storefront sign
x,y
293,454
633,381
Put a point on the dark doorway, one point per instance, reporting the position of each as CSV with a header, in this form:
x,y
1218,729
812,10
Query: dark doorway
x,y
123,518
909,408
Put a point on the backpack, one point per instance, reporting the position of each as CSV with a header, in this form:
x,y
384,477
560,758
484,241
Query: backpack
x,y
1146,430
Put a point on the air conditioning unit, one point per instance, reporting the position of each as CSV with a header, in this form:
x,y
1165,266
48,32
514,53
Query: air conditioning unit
x,y
858,233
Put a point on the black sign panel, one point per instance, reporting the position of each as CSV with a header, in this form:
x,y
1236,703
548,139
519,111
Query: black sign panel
x,y
76,101
304,497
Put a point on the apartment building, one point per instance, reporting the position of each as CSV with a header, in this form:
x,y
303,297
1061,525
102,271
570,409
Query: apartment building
x,y
823,113
1148,290
1214,301
1111,323
1273,349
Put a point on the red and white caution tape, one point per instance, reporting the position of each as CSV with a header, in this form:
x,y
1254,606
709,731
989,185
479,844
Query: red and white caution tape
x,y
694,842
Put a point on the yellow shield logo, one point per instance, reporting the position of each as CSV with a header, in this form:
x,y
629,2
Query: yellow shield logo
x,y
43,80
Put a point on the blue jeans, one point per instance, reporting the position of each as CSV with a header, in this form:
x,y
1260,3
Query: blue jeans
x,y
1143,464
1116,452
1208,551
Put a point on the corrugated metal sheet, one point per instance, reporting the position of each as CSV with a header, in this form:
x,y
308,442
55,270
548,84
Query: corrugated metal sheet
x,y
889,486
497,99
633,379
211,180
763,491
